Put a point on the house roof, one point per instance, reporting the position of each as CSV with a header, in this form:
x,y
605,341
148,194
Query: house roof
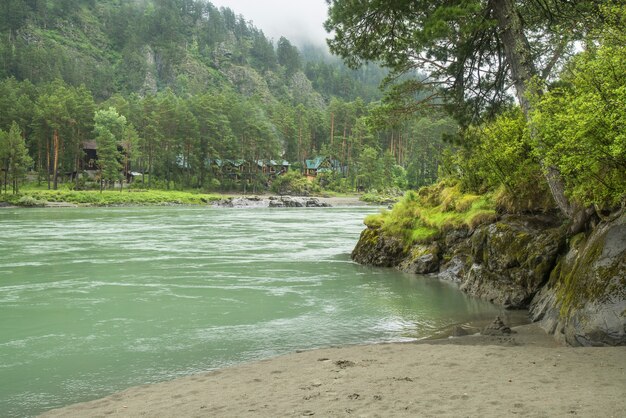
x,y
90,144
315,163
240,162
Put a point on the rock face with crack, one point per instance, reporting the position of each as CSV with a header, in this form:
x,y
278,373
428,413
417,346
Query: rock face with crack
x,y
505,262
584,303
576,286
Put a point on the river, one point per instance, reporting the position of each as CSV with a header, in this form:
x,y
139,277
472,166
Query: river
x,y
94,300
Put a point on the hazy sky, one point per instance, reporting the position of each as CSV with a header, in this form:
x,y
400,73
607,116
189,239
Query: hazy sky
x,y
297,20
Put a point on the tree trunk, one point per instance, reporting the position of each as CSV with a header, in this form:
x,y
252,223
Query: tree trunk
x,y
56,157
77,161
519,57
6,175
48,161
332,127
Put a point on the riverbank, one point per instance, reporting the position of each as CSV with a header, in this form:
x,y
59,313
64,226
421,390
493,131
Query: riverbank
x,y
525,374
69,198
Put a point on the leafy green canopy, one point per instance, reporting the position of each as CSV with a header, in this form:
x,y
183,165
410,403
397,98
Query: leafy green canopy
x,y
498,156
458,44
109,128
582,121
578,128
14,157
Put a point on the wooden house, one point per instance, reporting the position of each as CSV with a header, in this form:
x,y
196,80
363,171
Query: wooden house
x,y
90,149
272,168
320,165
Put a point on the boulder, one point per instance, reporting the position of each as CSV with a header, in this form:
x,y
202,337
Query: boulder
x,y
313,202
497,327
376,249
292,202
422,259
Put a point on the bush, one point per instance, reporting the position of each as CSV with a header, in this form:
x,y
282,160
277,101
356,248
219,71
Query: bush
x,y
29,201
291,183
421,216
385,197
498,157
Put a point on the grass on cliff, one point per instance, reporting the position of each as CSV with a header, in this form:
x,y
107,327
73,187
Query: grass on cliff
x,y
109,197
421,216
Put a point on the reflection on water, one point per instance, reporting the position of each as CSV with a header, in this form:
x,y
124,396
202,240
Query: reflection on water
x,y
95,300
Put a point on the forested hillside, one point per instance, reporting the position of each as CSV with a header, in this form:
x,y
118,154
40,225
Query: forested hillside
x,y
168,87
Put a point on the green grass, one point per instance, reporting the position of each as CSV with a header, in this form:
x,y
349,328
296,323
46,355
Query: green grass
x,y
111,198
381,198
421,216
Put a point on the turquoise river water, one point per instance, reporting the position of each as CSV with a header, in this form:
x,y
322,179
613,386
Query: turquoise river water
x,y
95,300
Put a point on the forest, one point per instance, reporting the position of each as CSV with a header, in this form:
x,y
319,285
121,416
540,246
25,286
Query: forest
x,y
166,88
170,90
537,88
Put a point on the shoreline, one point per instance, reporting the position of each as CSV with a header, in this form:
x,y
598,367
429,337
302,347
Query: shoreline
x,y
333,201
526,373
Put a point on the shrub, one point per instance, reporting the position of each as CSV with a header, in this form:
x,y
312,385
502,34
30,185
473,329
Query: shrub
x,y
29,201
291,183
421,216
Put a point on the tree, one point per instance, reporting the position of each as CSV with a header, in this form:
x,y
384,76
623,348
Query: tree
x,y
580,122
51,115
369,169
290,183
14,154
109,129
130,146
471,51
288,56
4,159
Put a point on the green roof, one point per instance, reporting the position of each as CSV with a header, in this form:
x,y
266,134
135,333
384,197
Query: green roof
x,y
315,163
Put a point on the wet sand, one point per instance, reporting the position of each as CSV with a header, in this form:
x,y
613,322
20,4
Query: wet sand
x,y
525,374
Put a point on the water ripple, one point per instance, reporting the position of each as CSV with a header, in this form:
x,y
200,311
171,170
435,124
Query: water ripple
x,y
94,300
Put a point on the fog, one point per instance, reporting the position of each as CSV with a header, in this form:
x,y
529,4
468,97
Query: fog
x,y
300,21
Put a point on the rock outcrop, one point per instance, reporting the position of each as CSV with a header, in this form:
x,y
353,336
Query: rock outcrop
x,y
576,290
271,202
584,302
296,202
512,258
375,249
506,262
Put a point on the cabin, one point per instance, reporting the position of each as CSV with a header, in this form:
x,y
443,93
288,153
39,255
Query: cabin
x,y
272,168
89,163
182,162
320,165
90,149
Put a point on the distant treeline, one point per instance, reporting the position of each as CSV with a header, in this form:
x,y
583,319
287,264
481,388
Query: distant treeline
x,y
193,81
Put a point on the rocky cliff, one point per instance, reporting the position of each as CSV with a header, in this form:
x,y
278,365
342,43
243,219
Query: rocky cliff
x,y
575,286
584,302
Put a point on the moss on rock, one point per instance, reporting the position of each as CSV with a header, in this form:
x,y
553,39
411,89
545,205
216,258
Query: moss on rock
x,y
376,249
585,299
512,258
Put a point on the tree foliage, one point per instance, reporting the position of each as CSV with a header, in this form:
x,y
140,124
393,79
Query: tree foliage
x,y
109,128
470,52
14,157
197,84
581,121
577,126
457,47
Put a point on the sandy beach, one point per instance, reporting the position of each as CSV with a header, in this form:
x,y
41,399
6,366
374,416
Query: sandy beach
x,y
525,374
